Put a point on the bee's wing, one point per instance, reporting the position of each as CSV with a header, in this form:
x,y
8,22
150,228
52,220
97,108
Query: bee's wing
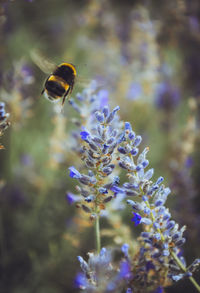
x,y
42,62
84,82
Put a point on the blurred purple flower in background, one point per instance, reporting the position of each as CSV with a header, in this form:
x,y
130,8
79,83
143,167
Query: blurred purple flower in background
x,y
103,98
135,91
27,160
189,162
194,23
167,96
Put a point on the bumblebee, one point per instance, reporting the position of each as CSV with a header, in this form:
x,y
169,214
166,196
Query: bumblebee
x,y
60,83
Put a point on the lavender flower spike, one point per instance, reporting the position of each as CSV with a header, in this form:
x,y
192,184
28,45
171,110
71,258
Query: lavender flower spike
x,y
108,146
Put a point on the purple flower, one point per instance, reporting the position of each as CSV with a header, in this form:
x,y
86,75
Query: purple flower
x,y
74,173
134,151
99,116
125,270
136,218
159,290
80,281
116,189
103,190
138,140
112,115
84,135
128,126
70,198
125,248
105,111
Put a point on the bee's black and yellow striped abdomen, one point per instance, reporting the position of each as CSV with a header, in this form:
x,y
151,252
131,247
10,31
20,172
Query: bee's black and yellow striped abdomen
x,y
60,82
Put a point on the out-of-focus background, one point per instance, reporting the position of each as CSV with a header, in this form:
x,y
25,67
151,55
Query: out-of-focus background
x,y
145,55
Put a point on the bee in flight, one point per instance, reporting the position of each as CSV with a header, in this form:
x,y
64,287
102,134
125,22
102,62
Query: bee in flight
x,y
60,83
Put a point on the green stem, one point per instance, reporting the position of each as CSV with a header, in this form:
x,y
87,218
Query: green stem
x,y
183,268
97,231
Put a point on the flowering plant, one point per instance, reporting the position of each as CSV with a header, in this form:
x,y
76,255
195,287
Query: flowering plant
x,y
110,147
4,123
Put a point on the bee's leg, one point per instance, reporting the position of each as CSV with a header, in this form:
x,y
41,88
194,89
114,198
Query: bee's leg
x,y
42,92
63,101
65,95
